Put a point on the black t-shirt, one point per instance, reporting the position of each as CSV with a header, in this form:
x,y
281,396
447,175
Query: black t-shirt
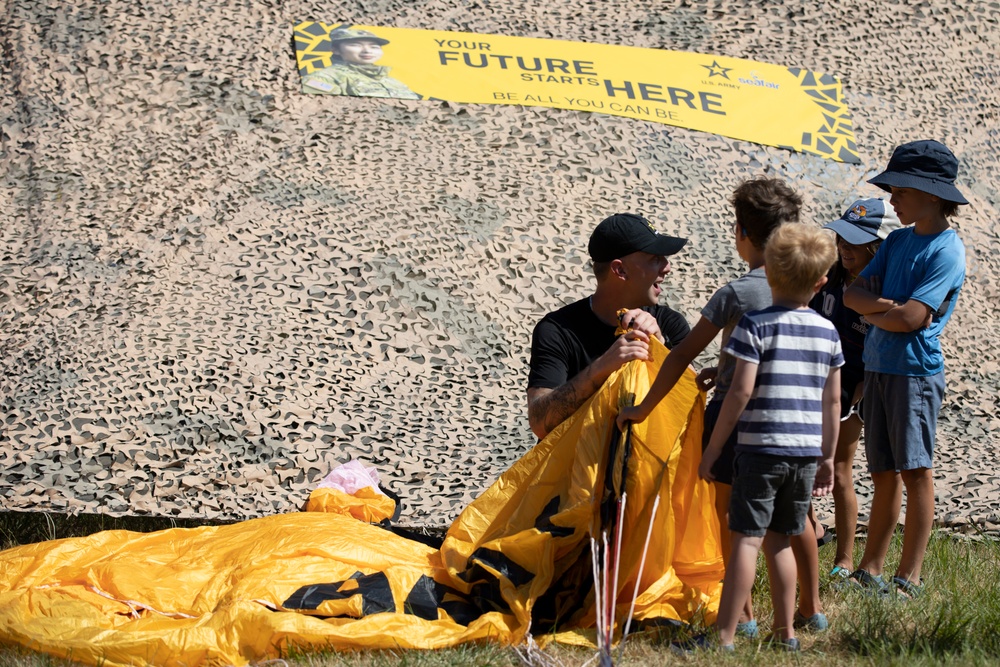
x,y
852,327
829,302
570,339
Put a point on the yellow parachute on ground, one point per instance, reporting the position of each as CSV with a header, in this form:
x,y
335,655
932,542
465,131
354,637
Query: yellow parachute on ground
x,y
516,561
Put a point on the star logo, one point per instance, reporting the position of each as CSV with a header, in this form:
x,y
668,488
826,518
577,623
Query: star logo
x,y
715,69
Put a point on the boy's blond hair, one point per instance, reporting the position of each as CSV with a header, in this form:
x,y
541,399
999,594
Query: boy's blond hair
x,y
797,256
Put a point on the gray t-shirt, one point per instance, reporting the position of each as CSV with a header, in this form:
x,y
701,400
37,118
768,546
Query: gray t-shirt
x,y
748,292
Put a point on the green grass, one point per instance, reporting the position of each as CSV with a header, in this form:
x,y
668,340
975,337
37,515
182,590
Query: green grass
x,y
955,623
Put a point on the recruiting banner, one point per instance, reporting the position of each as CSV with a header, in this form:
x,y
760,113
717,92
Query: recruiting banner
x,y
789,107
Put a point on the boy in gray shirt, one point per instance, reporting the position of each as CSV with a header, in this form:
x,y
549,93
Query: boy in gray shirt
x,y
761,205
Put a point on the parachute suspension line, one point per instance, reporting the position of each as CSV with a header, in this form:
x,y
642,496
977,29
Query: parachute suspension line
x,y
595,555
604,631
606,552
614,584
638,576
605,594
600,560
532,656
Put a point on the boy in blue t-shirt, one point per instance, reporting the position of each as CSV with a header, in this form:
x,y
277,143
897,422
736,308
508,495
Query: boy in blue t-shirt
x,y
907,293
785,397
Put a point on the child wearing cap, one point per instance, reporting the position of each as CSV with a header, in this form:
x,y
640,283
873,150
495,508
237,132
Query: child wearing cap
x,y
908,293
785,396
354,71
761,205
860,231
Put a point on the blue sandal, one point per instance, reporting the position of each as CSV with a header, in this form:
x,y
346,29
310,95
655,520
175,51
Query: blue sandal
x,y
907,589
815,623
840,579
790,645
748,629
868,583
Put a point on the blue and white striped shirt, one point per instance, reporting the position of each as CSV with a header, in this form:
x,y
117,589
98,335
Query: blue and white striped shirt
x,y
794,351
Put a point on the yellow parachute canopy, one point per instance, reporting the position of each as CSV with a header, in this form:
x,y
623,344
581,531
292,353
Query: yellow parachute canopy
x,y
516,561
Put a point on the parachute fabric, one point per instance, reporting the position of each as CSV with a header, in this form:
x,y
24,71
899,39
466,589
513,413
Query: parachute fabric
x,y
517,560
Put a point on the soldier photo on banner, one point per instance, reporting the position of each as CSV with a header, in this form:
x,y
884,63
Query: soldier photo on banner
x,y
354,54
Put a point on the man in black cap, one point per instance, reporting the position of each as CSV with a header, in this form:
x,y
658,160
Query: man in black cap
x,y
575,349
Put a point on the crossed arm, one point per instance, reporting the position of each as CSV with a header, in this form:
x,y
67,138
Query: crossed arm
x,y
863,297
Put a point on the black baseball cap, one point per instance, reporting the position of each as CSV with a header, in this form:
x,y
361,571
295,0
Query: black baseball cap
x,y
624,233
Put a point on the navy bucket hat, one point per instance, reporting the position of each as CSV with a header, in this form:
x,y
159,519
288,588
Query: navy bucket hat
x,y
924,165
867,220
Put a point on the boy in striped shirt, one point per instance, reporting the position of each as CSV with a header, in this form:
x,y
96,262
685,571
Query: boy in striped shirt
x,y
784,401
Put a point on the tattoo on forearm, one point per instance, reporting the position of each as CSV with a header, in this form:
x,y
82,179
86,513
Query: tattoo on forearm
x,y
558,405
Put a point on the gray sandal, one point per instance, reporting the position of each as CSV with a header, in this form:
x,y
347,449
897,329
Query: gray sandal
x,y
907,589
868,583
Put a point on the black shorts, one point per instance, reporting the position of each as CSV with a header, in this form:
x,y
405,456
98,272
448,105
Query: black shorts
x,y
771,493
850,378
722,469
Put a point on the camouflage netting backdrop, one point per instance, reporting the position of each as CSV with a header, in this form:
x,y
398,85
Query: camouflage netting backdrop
x,y
214,288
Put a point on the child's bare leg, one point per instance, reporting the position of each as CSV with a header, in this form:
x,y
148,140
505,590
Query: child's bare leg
x,y
845,499
722,494
886,502
737,584
807,567
781,572
919,485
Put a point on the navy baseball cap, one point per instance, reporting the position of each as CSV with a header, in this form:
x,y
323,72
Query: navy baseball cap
x,y
624,233
865,221
925,165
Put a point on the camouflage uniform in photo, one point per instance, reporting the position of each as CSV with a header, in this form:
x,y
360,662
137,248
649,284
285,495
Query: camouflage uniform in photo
x,y
357,80
343,78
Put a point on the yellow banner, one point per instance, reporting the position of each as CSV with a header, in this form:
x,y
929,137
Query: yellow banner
x,y
788,107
